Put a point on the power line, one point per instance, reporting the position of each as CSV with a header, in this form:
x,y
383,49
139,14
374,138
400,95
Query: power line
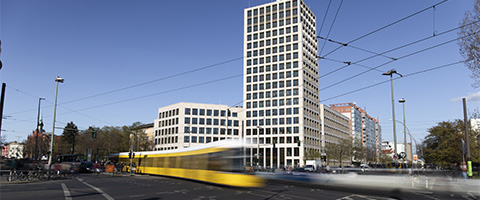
x,y
156,80
386,81
405,56
31,95
394,49
384,27
325,17
133,86
158,93
350,63
331,26
358,48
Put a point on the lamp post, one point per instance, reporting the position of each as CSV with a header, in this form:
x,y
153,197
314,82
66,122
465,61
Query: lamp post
x,y
402,101
39,128
412,139
57,80
390,73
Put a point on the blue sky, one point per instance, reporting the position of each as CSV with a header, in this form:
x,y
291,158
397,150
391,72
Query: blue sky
x,y
104,48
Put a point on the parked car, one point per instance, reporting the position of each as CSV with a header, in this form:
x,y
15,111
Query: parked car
x,y
86,167
309,168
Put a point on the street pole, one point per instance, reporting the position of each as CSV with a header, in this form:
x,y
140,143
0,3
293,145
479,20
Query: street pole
x,y
390,73
57,80
402,101
469,161
2,100
38,129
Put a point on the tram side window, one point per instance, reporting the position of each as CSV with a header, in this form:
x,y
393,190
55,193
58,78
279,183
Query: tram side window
x,y
217,162
171,162
160,162
184,162
229,161
198,161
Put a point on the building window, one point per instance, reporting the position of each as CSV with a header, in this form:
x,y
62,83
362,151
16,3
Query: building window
x,y
187,111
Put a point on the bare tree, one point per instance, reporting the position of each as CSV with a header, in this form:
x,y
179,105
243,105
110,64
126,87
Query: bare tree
x,y
470,42
340,152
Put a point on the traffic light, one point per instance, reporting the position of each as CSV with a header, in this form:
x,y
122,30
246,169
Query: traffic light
x,y
94,134
131,154
324,158
298,142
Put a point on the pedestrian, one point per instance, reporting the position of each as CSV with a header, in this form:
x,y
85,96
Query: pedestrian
x,y
463,167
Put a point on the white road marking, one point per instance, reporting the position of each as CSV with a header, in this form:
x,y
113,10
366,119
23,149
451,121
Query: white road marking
x,y
68,196
108,197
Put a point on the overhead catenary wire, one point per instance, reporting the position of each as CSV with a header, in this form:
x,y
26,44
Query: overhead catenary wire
x,y
350,63
36,97
402,57
394,49
158,93
386,26
156,80
331,26
132,86
354,47
386,81
325,17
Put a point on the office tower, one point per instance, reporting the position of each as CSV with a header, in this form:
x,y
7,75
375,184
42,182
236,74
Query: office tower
x,y
280,92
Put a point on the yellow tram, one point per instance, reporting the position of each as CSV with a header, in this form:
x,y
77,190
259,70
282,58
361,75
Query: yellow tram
x,y
218,162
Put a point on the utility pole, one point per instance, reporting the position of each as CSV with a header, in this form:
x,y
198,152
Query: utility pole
x,y
39,129
2,100
390,73
469,161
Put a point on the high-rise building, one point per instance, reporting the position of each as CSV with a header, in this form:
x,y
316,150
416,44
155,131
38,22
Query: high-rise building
x,y
364,129
280,83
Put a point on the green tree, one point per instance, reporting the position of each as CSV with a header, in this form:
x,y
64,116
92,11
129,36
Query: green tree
x,y
470,42
65,143
443,145
70,132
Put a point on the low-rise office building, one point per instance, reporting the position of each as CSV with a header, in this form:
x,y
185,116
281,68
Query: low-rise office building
x,y
183,125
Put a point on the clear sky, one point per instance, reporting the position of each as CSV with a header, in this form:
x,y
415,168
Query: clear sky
x,y
122,60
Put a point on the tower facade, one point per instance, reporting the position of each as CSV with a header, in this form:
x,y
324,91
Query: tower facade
x,y
281,104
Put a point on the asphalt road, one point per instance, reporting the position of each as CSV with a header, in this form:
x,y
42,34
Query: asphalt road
x,y
88,186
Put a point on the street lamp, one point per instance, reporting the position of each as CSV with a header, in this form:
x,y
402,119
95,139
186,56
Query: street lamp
x,y
402,101
390,73
39,128
412,139
57,80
